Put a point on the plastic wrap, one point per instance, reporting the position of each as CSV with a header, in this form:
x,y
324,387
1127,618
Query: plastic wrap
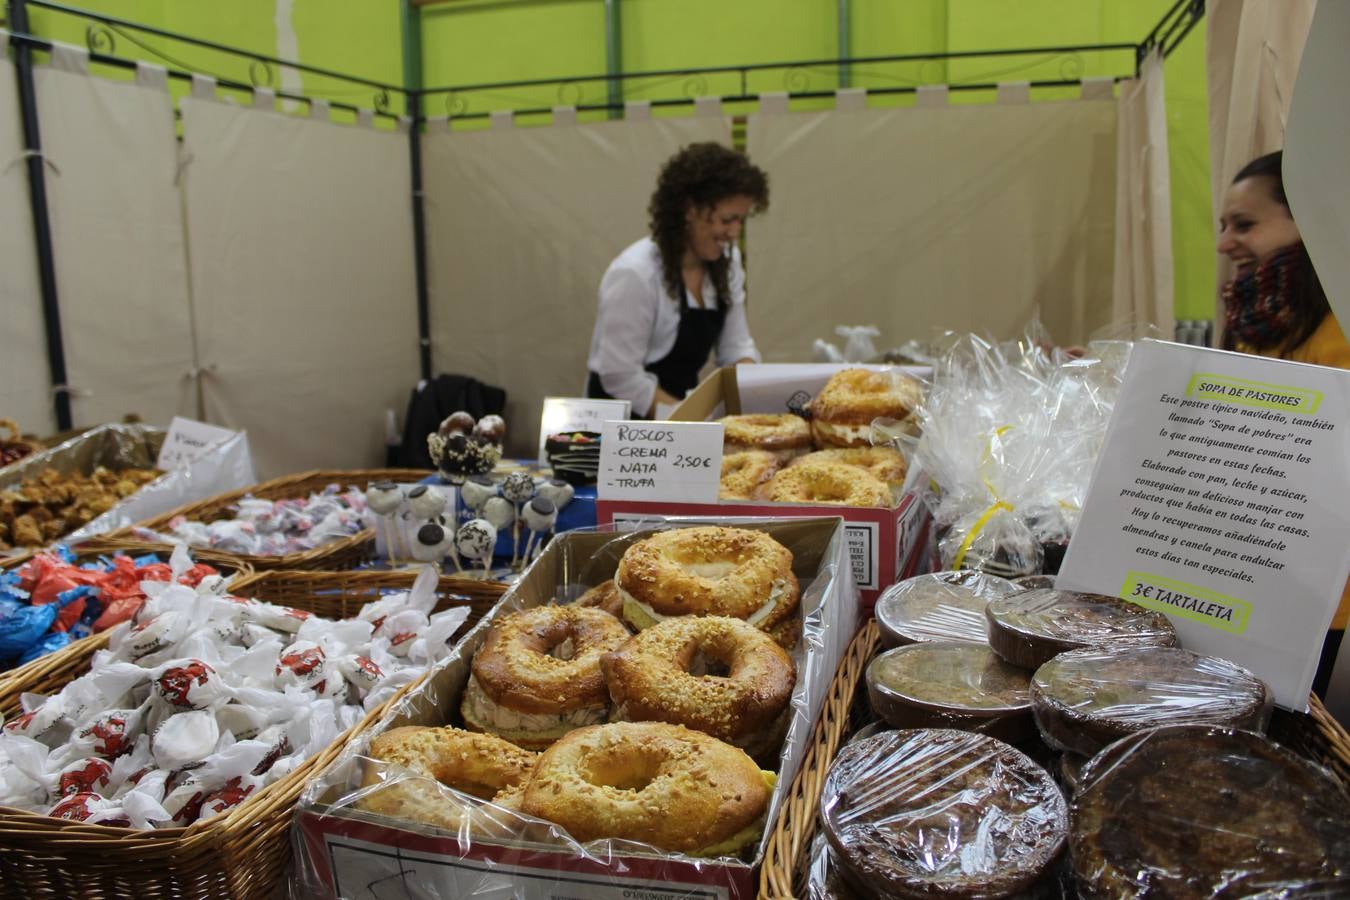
x,y
941,813
1085,699
1197,811
1035,582
1010,434
1030,628
482,848
951,684
941,606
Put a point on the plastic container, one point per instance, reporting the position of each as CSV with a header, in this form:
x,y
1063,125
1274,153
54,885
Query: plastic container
x,y
1086,699
941,606
938,812
1030,628
952,684
1156,812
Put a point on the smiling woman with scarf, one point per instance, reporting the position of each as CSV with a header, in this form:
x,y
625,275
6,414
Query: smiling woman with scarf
x,y
1275,306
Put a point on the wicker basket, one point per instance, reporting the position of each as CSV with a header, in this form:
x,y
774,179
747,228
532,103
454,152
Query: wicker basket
x,y
242,853
1317,736
346,553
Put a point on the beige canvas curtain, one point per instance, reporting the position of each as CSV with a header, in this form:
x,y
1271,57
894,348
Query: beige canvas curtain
x,y
117,230
521,224
1252,50
302,276
25,382
962,217
1142,291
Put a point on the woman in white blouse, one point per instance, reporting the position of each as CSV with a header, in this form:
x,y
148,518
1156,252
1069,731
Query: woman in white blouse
x,y
648,347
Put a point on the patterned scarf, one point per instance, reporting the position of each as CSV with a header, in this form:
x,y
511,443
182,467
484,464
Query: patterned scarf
x,y
1257,312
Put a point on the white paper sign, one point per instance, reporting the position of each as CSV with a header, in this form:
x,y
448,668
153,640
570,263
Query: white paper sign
x,y
680,461
564,414
1222,498
187,440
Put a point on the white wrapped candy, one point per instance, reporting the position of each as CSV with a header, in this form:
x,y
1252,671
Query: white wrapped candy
x,y
278,618
37,723
302,664
230,795
185,740
243,722
360,671
108,735
190,684
90,808
402,628
183,802
518,487
476,538
159,633
86,776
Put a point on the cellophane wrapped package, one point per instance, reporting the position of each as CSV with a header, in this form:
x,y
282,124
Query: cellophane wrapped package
x,y
1009,435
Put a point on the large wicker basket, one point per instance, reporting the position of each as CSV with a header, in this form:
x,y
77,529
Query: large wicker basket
x,y
346,553
242,853
783,875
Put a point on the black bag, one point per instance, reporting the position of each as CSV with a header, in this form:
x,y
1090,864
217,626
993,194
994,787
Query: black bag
x,y
431,402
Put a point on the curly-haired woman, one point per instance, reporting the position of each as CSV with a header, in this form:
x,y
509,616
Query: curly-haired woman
x,y
670,299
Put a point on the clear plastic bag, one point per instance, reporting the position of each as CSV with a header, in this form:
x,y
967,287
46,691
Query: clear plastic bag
x,y
482,848
1009,435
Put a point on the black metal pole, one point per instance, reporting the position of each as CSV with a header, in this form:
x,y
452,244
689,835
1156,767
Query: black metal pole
x,y
42,228
419,230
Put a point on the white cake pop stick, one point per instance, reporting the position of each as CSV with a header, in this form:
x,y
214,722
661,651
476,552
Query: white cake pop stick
x,y
476,540
519,489
384,498
540,516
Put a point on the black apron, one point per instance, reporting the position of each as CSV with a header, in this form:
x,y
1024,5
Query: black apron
x,y
677,371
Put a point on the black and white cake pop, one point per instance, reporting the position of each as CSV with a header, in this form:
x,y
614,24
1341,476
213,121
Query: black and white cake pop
x,y
433,542
476,490
518,487
476,539
459,456
540,516
426,502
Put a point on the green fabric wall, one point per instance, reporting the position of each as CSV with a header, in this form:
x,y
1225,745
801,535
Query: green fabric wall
x,y
478,41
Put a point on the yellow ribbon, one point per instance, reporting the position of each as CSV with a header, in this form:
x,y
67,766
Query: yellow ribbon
x,y
998,504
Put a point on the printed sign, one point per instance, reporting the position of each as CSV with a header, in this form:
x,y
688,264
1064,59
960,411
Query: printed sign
x,y
566,414
862,552
187,440
1220,498
660,461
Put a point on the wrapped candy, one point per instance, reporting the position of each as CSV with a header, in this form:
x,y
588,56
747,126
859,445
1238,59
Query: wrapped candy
x,y
184,740
190,684
274,527
89,775
302,664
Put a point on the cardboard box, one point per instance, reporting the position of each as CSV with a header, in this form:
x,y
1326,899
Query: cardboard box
x,y
343,851
884,543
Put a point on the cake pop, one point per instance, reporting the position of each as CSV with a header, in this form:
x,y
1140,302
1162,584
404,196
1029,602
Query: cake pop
x,y
540,516
433,542
426,502
476,490
384,498
519,489
475,539
499,511
558,491
459,456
